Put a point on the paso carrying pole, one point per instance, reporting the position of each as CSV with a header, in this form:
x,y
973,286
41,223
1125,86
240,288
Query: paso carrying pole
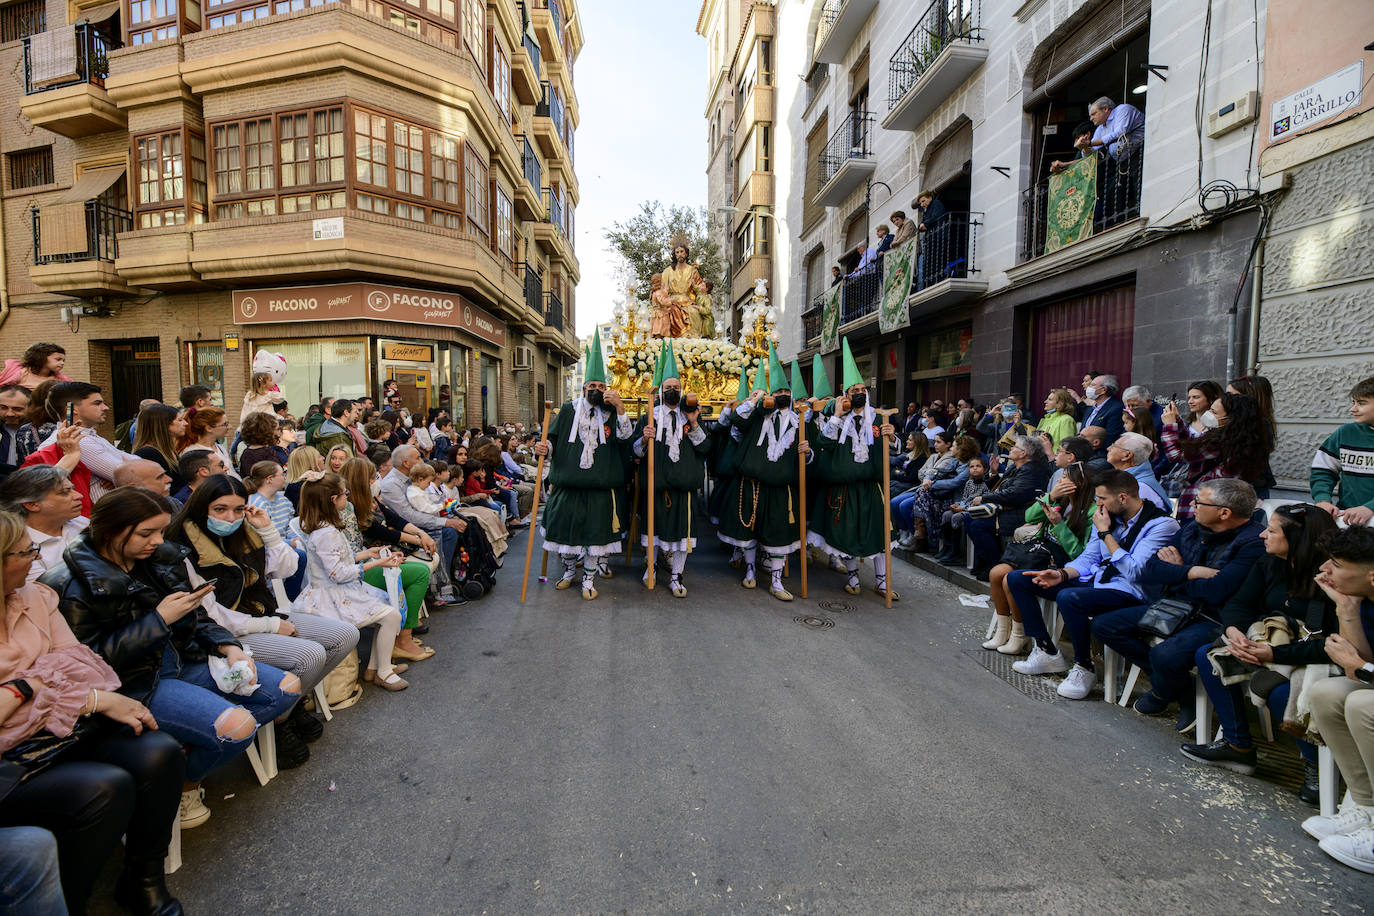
x,y
887,518
534,509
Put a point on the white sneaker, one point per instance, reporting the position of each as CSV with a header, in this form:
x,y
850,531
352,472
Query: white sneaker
x,y
1349,819
193,810
1078,684
1353,849
907,541
1041,662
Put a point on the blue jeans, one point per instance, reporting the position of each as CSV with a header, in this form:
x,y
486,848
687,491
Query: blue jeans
x,y
1169,662
512,501
1230,703
983,533
296,581
29,884
901,510
187,703
1079,602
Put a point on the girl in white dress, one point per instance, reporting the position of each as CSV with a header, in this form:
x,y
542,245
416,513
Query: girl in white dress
x,y
336,588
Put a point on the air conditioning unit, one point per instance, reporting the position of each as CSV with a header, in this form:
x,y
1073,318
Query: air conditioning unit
x,y
524,358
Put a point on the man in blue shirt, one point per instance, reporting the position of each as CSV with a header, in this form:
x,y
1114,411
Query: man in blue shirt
x,y
1127,531
1120,129
1204,564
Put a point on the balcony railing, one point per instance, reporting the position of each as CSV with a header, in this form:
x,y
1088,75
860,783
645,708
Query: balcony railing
x,y
554,207
530,163
553,310
555,11
1118,201
851,140
534,289
102,224
829,13
550,106
943,23
51,63
811,321
949,250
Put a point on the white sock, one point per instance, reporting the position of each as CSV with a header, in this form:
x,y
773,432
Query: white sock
x,y
569,566
775,564
679,561
880,569
750,553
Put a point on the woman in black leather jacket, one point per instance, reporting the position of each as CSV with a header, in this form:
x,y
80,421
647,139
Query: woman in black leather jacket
x,y
1027,478
129,599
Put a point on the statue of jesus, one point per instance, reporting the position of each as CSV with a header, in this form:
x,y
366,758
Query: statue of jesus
x,y
671,303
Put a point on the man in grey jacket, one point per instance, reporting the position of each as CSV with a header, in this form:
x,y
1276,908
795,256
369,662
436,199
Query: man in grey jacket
x,y
393,495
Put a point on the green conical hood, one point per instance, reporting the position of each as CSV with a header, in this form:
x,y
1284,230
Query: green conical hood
x,y
658,364
777,377
596,364
760,379
743,393
798,383
849,370
819,379
668,364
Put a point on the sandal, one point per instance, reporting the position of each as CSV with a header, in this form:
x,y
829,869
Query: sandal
x,y
424,653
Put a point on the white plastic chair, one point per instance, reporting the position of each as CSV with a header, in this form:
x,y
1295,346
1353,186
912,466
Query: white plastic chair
x,y
173,860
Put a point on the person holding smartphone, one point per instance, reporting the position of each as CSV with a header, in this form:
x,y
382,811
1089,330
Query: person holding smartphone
x,y
126,594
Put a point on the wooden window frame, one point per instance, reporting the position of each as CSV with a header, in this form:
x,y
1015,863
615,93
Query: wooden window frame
x,y
224,13
242,147
472,26
503,239
498,76
183,18
476,174
193,210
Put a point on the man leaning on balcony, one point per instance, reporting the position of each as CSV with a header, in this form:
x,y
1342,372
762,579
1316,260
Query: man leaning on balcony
x,y
1120,129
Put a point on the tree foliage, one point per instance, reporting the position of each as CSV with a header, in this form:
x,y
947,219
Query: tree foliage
x,y
643,240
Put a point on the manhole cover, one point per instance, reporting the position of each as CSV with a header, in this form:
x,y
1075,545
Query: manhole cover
x,y
813,622
1037,688
835,607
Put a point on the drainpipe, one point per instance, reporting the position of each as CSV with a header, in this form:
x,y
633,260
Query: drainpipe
x,y
4,274
1252,342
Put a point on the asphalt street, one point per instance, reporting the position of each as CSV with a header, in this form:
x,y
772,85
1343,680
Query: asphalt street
x,y
646,754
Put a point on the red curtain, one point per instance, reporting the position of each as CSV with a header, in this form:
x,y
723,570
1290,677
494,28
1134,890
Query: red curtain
x,y
1086,333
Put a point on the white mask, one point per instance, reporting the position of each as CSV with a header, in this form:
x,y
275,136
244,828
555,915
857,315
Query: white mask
x,y
1209,420
408,422
1090,393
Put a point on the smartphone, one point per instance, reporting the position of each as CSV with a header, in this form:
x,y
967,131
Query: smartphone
x,y
207,586
71,413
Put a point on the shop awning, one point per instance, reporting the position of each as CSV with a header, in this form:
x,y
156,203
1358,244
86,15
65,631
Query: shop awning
x,y
103,13
62,223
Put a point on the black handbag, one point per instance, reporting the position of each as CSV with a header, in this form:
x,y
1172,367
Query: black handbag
x,y
40,751
1166,617
1042,552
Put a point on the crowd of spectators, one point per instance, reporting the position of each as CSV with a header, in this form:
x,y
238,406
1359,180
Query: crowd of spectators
x,y
175,589
1147,522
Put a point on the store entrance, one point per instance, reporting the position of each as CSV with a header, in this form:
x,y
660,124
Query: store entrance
x,y
136,373
414,387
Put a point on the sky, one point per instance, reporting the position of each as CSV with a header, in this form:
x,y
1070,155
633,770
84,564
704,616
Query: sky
x,y
641,86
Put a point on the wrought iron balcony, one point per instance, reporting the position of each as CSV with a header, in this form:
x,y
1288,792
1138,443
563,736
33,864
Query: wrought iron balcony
x,y
839,25
102,224
811,321
529,162
847,160
554,207
534,289
51,63
550,106
1118,201
553,310
949,250
941,52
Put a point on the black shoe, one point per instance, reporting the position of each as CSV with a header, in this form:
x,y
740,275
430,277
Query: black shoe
x,y
305,723
1311,791
981,573
421,630
1222,754
1151,704
291,749
142,889
1187,717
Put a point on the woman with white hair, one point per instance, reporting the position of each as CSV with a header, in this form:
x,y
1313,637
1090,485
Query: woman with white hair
x,y
1019,486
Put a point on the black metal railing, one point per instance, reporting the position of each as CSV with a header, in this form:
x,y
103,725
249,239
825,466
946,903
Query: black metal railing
x,y
529,162
553,310
942,24
534,289
550,106
103,224
859,296
829,13
556,12
949,250
851,140
526,39
811,324
1118,199
91,63
553,206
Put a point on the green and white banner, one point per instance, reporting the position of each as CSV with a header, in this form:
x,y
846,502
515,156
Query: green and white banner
x,y
898,266
1070,203
830,319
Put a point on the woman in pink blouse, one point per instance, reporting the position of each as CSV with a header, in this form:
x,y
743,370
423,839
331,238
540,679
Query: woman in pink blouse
x,y
121,778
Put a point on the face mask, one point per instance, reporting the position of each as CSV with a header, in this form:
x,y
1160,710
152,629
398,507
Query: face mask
x,y
408,422
782,401
596,397
1090,393
859,401
222,528
1210,420
672,397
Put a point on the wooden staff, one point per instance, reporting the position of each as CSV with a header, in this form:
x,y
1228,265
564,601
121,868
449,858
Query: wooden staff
x,y
634,514
650,553
887,504
534,509
801,490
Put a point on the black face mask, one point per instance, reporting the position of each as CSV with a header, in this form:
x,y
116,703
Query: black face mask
x,y
672,397
858,401
596,397
782,401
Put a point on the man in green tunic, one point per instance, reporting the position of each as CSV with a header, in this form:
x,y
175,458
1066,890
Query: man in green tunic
x,y
680,448
761,506
588,446
850,509
724,461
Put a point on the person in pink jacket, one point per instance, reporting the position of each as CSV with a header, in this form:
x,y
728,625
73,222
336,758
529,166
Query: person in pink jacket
x,y
40,362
